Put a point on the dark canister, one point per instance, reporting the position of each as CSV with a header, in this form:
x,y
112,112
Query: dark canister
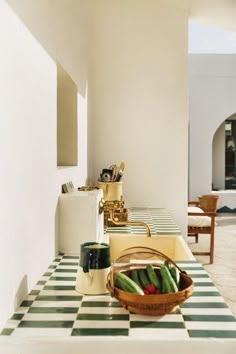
x,y
94,265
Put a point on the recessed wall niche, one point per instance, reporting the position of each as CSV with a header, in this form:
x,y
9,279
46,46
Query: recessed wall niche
x,y
67,130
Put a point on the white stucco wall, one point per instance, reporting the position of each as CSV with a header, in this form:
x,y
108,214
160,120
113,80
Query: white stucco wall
x,y
218,158
212,84
138,102
29,178
137,113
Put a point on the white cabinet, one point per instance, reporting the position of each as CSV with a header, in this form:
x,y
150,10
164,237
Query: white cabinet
x,y
79,220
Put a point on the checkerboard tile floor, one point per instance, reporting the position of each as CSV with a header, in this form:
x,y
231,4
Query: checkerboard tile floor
x,y
54,308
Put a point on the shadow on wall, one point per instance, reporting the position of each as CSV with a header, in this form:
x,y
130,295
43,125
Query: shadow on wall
x,y
61,27
57,228
21,292
67,126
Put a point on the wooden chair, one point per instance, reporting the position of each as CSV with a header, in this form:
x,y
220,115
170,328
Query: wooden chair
x,y
203,225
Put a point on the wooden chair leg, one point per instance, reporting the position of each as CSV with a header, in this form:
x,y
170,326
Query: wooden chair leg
x,y
195,235
212,242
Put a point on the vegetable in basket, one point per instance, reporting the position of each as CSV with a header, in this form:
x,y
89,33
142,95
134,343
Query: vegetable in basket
x,y
153,276
124,283
168,282
146,281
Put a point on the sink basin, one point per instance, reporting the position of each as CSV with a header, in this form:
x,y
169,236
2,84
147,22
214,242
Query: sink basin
x,y
172,246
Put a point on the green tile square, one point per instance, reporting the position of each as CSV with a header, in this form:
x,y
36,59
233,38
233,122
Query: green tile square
x,y
196,283
61,270
211,318
69,263
196,333
199,276
7,331
17,316
100,332
156,324
41,282
34,292
63,278
53,310
59,287
46,324
193,268
206,293
26,303
59,298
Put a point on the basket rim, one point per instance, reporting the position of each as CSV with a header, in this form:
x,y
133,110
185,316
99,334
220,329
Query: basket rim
x,y
148,250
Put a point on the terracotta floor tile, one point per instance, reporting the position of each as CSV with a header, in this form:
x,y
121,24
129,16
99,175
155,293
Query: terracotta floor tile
x,y
223,270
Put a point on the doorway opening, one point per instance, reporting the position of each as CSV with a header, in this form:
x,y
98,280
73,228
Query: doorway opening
x,y
224,155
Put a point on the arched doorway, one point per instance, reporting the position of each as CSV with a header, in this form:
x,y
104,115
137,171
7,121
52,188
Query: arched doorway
x,y
224,155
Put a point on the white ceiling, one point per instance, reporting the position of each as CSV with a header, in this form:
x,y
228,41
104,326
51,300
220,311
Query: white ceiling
x,y
219,13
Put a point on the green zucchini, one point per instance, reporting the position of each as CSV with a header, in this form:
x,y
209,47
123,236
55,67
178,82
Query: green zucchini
x,y
175,275
143,278
135,278
167,264
152,276
163,288
124,283
168,282
118,282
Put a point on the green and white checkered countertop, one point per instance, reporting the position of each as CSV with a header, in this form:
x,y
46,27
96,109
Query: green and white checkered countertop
x,y
54,308
159,221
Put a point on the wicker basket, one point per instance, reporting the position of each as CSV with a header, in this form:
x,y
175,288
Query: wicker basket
x,y
209,203
154,305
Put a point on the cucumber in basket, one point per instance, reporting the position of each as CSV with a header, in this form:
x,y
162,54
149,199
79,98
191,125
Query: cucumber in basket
x,y
135,277
152,276
175,275
168,282
124,283
143,278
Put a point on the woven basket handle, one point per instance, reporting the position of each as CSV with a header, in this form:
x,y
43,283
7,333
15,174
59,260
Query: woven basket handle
x,y
110,279
151,251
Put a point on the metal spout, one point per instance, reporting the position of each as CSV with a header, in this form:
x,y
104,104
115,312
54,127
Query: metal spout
x,y
131,223
101,206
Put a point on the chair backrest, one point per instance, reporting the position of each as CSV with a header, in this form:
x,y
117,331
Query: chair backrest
x,y
209,203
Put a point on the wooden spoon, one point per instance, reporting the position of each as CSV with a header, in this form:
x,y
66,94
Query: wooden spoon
x,y
114,173
122,166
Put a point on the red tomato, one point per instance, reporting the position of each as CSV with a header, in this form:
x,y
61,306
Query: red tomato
x,y
151,288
